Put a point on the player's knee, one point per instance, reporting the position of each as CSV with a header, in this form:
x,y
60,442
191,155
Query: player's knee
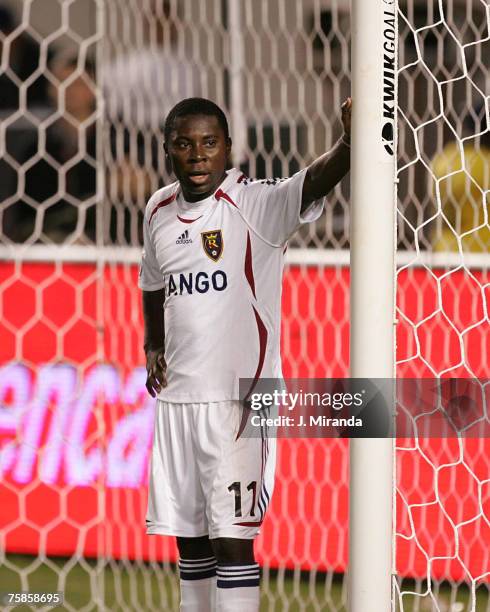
x,y
194,548
233,550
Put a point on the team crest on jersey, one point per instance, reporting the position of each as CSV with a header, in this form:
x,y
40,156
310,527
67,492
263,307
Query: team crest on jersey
x,y
212,243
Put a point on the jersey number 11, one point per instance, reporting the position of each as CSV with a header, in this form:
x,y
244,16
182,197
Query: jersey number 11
x,y
236,488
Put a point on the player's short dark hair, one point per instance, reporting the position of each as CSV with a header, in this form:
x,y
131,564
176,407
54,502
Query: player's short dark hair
x,y
195,106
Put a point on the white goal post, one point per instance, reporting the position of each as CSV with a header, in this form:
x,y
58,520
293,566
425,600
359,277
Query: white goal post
x,y
372,291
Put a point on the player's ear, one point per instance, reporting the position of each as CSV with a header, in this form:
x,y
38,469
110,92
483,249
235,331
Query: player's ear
x,y
168,160
228,149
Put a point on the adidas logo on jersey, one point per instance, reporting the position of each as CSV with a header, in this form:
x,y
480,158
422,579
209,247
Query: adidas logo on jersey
x,y
184,238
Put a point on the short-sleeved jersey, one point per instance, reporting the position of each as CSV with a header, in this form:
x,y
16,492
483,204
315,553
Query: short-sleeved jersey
x,y
220,261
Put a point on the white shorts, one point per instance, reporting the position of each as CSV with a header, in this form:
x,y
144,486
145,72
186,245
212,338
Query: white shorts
x,y
205,479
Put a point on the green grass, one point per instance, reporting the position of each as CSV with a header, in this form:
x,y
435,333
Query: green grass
x,y
449,599
145,587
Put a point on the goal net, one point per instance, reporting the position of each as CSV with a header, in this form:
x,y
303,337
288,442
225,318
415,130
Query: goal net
x,y
442,494
85,86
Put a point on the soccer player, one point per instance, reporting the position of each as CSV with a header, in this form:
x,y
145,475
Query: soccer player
x,y
211,276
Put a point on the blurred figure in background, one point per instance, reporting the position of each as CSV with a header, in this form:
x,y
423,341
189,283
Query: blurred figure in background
x,y
58,201
60,187
464,175
20,55
142,83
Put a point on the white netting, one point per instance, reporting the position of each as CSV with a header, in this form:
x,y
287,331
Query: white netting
x,y
80,139
443,494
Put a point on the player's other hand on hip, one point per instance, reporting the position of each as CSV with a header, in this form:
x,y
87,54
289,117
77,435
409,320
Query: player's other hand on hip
x,y
346,109
156,371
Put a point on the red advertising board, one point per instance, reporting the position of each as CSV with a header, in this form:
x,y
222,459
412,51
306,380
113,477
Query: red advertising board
x,y
76,422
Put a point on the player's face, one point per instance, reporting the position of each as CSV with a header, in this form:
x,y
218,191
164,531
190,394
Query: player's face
x,y
198,152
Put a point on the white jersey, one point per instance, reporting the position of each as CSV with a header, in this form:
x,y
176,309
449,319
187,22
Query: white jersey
x,y
220,261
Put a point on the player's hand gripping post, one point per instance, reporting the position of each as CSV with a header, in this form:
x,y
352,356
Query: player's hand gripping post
x,y
346,119
331,167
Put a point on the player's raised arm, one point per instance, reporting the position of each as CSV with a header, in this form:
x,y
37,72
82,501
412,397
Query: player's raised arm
x,y
326,171
154,340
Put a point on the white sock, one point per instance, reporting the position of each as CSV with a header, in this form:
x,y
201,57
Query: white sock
x,y
238,588
197,585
